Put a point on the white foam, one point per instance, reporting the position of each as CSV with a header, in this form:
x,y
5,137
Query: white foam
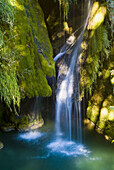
x,y
32,135
68,148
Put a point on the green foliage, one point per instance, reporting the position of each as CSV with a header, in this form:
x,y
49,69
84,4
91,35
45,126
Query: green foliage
x,y
9,89
65,5
97,53
25,52
6,12
35,51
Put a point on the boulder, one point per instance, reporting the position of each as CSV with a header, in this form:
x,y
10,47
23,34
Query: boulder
x,y
1,145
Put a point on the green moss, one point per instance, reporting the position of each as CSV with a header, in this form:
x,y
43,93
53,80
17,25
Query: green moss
x,y
92,112
109,128
26,51
34,37
96,73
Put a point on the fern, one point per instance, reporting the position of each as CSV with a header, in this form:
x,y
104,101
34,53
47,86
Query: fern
x,y
97,53
9,88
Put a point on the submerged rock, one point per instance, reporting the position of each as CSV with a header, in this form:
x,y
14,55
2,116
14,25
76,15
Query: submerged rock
x,y
1,145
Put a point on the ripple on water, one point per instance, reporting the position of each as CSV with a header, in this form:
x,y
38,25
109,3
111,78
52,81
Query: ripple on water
x,y
67,148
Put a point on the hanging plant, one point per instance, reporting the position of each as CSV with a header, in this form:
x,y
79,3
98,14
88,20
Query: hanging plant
x,y
65,5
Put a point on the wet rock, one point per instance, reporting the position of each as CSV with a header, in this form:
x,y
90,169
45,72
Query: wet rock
x,y
37,123
1,145
23,123
7,127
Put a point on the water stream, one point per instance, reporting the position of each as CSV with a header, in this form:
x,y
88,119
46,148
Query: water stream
x,y
68,87
60,144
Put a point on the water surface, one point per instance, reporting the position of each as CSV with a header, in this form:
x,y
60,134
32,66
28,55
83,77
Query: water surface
x,y
43,150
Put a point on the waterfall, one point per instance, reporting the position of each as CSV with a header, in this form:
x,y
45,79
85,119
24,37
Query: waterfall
x,y
68,105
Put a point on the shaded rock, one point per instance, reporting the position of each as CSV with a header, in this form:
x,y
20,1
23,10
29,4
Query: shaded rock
x,y
23,122
8,128
1,145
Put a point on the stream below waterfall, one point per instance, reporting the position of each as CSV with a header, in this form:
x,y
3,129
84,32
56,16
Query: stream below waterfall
x,y
41,150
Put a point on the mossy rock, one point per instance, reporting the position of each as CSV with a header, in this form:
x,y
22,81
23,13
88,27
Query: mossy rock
x,y
29,50
23,122
34,46
109,129
31,125
7,127
100,100
1,145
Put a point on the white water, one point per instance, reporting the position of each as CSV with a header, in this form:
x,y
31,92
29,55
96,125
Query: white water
x,y
31,135
67,90
63,143
59,56
68,45
68,148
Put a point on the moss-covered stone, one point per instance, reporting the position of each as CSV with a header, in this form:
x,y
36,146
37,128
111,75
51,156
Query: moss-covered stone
x,y
27,52
1,145
27,57
96,70
22,122
34,48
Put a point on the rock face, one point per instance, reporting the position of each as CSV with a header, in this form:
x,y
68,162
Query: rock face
x,y
30,56
29,51
35,53
22,123
97,73
1,145
101,104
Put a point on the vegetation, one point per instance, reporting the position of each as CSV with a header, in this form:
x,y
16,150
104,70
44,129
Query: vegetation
x,y
96,65
96,48
65,5
9,89
25,52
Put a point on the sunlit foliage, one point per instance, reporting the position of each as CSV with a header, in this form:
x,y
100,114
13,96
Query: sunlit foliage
x,y
9,89
25,52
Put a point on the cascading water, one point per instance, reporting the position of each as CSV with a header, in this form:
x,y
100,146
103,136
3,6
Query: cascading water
x,y
68,105
68,89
